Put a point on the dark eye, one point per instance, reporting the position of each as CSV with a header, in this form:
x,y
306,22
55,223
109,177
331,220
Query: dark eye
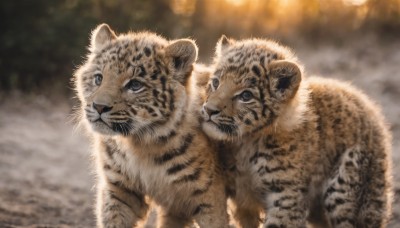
x,y
246,96
98,78
215,83
134,85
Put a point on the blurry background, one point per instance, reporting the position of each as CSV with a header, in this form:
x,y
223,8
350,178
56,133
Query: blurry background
x,y
45,166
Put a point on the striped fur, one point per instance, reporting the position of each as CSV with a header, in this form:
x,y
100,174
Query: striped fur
x,y
138,99
300,147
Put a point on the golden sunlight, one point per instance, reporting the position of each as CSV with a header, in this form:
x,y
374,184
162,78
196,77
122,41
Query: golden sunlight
x,y
355,2
236,2
285,3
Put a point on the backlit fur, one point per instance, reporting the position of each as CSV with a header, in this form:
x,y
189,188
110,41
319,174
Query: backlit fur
x,y
301,147
148,143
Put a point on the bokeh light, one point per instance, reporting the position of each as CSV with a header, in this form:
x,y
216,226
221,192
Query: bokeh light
x,y
355,2
183,7
237,2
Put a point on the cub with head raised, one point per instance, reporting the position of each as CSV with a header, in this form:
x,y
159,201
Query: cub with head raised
x,y
304,148
138,99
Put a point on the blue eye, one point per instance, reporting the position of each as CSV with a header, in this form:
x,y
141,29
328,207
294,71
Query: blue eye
x,y
215,83
98,78
246,96
134,85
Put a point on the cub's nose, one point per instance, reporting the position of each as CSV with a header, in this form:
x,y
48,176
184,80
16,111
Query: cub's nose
x,y
100,108
210,110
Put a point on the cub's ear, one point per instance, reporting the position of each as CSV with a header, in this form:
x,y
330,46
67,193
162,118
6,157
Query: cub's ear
x,y
101,36
223,44
181,54
285,78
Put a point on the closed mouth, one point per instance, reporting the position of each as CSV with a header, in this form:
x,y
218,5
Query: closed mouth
x,y
225,128
122,128
212,122
99,120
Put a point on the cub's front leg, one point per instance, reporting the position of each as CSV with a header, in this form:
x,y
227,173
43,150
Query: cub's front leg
x,y
285,208
118,206
167,220
210,211
247,217
284,190
120,202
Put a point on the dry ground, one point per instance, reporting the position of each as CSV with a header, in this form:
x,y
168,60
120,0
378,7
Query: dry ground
x,y
45,169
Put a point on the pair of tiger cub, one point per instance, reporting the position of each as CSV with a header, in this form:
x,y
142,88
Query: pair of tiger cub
x,y
289,151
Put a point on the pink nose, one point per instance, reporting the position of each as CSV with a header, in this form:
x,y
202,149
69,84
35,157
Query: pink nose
x,y
210,111
101,108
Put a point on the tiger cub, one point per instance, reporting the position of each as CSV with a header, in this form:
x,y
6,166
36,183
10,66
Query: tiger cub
x,y
302,147
138,99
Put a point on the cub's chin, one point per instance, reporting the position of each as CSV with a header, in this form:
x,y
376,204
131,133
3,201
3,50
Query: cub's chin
x,y
213,131
101,127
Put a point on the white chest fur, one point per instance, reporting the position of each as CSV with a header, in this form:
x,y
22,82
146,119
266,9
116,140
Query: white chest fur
x,y
247,192
144,173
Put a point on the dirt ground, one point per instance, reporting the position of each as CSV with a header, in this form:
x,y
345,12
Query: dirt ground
x,y
46,177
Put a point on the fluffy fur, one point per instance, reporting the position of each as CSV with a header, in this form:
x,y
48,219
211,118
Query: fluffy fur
x,y
300,148
141,107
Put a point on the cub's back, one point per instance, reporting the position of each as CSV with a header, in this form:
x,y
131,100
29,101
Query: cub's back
x,y
346,118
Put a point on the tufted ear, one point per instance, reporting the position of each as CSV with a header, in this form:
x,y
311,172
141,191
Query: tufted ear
x,y
102,36
222,44
285,78
181,54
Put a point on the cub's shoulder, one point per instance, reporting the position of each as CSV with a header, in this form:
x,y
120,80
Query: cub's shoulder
x,y
334,94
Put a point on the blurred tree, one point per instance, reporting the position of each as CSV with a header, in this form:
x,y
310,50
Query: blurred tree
x,y
384,15
38,40
43,41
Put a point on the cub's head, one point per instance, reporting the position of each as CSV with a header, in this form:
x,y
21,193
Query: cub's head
x,y
134,84
253,81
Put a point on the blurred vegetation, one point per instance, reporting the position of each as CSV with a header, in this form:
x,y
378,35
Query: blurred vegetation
x,y
43,41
